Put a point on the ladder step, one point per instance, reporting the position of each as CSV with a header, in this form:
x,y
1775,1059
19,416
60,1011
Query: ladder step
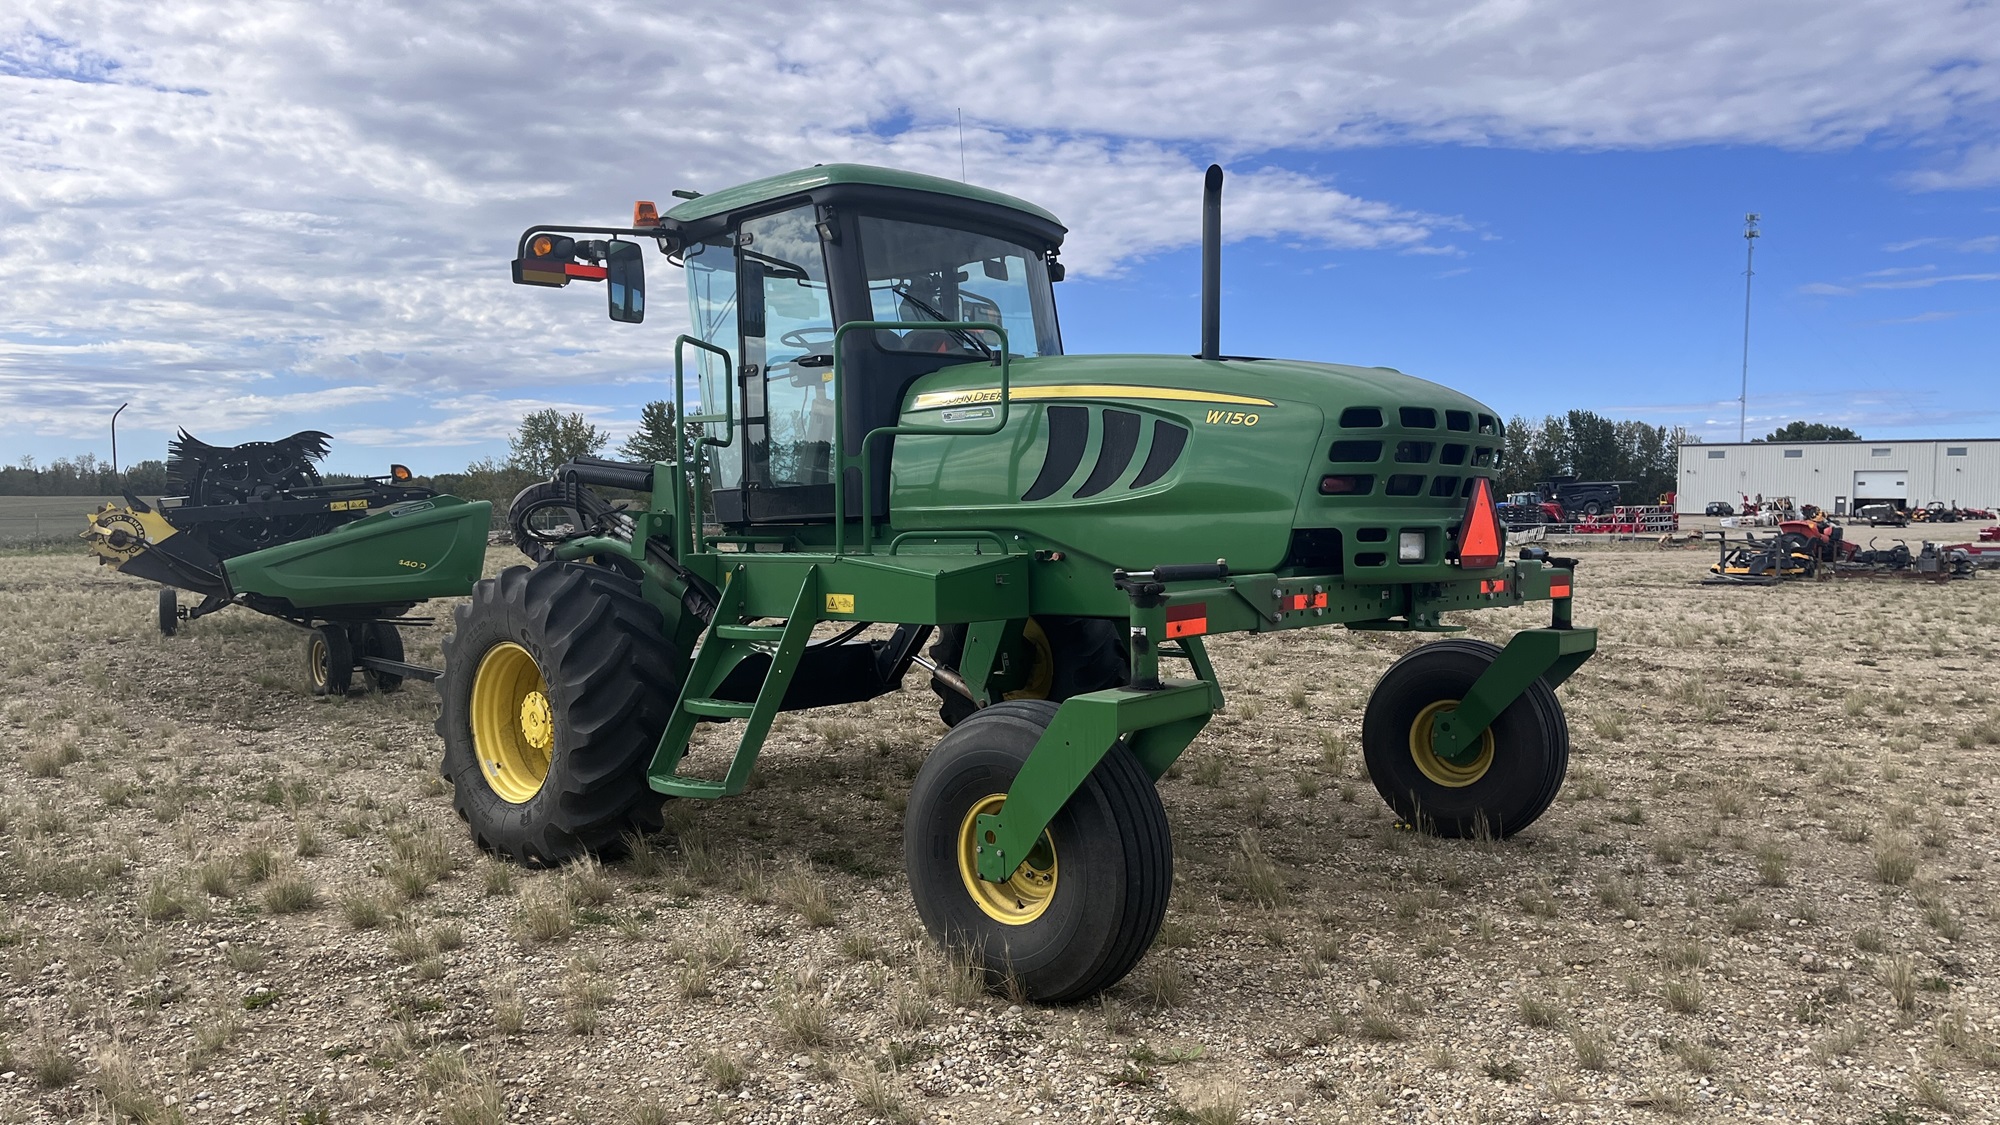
x,y
690,787
717,708
769,633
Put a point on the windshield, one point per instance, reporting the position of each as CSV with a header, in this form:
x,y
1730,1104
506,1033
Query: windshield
x,y
919,273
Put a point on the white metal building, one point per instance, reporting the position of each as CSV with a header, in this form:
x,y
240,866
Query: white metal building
x,y
1842,475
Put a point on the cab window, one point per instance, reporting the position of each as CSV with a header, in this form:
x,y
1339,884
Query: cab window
x,y
924,275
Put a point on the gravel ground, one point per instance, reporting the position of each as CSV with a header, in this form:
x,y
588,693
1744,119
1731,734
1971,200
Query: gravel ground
x,y
1765,894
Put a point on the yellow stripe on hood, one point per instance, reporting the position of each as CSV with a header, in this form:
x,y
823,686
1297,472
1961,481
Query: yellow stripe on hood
x,y
931,400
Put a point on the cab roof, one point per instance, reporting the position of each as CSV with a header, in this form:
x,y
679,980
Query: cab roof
x,y
822,175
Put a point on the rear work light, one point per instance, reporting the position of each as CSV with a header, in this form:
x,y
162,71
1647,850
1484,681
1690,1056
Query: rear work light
x,y
1410,547
1347,484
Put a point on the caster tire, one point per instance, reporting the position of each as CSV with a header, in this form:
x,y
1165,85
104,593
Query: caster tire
x,y
1087,902
1523,759
329,660
170,611
383,640
557,684
1072,655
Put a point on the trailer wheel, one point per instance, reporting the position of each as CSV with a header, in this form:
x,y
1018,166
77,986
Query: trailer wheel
x,y
170,611
382,640
1523,755
329,660
1068,656
1086,903
556,687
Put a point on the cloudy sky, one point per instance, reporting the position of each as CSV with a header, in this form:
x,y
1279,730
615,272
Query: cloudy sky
x,y
251,218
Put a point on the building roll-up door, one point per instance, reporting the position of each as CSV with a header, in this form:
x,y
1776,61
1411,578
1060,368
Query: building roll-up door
x,y
1890,485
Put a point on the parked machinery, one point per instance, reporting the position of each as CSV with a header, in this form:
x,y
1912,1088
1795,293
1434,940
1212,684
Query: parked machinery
x,y
895,436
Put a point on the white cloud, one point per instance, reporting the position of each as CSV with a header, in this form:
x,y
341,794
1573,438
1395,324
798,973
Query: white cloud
x,y
1927,282
1984,244
260,203
1977,167
1931,317
1824,289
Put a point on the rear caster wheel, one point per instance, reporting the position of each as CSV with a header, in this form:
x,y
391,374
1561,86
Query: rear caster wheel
x,y
381,639
1511,781
329,660
1062,656
170,611
1084,905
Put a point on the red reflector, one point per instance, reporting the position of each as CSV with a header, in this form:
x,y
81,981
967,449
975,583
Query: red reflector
x,y
1187,620
1348,485
1479,532
588,273
1559,589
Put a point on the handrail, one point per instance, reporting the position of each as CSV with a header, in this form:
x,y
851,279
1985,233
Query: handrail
x,y
841,460
684,534
896,543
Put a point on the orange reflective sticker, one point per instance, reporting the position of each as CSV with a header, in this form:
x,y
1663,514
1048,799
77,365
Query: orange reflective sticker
x,y
1187,620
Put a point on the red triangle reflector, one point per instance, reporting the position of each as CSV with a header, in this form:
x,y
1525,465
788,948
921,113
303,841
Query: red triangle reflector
x,y
1479,532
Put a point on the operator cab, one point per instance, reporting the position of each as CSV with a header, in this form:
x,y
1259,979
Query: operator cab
x,y
774,266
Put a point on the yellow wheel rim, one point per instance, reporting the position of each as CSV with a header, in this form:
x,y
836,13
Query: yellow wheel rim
x,y
1027,893
316,661
513,727
1042,666
1451,775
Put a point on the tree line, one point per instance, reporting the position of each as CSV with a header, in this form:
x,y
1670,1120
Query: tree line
x,y
1589,446
83,475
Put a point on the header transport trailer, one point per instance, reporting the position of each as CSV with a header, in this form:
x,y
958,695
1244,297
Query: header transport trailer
x,y
891,434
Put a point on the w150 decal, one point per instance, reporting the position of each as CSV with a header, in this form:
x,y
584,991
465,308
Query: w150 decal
x,y
1231,418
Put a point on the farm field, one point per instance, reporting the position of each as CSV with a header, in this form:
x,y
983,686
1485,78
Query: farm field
x,y
1767,893
27,519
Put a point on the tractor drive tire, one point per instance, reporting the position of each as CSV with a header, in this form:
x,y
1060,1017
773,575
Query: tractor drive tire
x,y
170,611
1073,655
1523,757
383,640
1085,904
1593,508
329,660
556,686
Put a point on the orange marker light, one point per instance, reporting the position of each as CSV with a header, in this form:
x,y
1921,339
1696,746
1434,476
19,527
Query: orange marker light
x,y
644,214
1479,532
542,246
399,472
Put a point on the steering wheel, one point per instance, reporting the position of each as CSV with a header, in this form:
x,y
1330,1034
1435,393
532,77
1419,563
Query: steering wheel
x,y
797,338
802,371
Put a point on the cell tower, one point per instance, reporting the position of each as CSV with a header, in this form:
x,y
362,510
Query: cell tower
x,y
1749,258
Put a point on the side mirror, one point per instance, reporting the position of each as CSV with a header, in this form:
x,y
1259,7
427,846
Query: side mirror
x,y
750,296
625,281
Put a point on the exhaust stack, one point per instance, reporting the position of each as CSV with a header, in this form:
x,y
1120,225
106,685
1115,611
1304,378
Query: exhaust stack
x,y
1211,263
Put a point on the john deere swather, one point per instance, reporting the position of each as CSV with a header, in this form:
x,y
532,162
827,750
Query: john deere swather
x,y
892,435
257,527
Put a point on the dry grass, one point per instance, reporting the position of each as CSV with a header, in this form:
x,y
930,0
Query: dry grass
x,y
1709,899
